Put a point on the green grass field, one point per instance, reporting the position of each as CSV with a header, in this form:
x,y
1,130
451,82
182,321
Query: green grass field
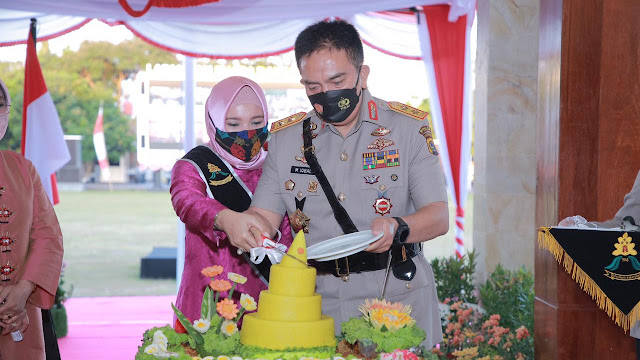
x,y
107,233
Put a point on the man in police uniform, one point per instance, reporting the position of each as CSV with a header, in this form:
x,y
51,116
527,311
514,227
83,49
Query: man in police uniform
x,y
380,162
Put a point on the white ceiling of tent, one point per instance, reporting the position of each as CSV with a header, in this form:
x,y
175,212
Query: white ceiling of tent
x,y
225,11
229,28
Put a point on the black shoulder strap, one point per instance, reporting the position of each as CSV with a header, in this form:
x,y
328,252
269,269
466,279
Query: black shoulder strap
x,y
345,222
223,185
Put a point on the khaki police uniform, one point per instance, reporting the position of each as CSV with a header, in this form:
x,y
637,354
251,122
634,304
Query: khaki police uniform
x,y
386,166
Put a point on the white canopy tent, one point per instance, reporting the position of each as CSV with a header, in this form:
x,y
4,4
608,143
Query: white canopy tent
x,y
438,35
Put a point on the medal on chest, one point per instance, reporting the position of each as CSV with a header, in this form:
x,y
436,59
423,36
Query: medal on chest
x,y
382,204
299,220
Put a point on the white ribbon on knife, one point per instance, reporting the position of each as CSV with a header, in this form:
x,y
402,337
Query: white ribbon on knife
x,y
274,251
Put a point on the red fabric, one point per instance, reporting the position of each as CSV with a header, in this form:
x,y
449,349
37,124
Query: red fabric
x,y
34,87
162,3
448,51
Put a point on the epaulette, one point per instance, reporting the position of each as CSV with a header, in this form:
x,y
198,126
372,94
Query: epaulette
x,y
288,121
407,110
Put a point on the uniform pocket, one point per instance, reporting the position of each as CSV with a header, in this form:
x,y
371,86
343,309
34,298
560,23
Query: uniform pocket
x,y
301,192
380,192
423,279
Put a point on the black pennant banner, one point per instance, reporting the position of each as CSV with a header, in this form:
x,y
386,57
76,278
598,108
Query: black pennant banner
x,y
606,265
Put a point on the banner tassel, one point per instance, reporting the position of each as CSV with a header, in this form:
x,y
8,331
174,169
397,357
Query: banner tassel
x,y
625,321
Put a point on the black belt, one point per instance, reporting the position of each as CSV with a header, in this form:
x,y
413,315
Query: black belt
x,y
365,261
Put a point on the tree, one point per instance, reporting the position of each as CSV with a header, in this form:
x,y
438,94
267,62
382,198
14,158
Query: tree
x,y
77,82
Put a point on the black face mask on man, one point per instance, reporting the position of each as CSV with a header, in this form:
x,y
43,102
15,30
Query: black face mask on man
x,y
335,106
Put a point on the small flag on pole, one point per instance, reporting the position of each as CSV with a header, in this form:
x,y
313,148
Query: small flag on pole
x,y
42,136
100,146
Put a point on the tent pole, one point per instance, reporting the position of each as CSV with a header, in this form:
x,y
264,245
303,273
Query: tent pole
x,y
188,144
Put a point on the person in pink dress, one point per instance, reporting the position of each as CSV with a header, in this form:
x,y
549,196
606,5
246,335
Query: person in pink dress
x,y
30,251
215,181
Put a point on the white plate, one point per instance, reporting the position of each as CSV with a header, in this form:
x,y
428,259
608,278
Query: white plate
x,y
341,246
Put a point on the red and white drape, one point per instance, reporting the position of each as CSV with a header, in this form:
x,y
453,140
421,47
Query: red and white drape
x,y
446,54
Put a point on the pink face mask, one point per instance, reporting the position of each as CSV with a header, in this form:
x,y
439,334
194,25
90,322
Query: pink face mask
x,y
5,106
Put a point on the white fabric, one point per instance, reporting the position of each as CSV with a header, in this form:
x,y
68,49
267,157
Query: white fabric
x,y
467,115
232,40
44,143
230,28
100,146
399,38
14,25
225,11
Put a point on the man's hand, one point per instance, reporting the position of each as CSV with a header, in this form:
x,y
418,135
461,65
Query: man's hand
x,y
387,226
244,230
573,221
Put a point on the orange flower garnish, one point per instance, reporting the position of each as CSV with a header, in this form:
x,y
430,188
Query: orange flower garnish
x,y
212,271
227,309
220,285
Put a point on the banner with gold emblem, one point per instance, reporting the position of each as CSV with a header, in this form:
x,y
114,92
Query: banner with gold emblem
x,y
604,263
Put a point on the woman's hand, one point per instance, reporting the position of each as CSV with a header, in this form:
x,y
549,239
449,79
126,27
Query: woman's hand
x,y
244,230
18,321
13,299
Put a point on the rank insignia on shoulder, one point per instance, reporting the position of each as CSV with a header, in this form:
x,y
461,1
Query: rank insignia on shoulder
x,y
373,110
410,111
286,122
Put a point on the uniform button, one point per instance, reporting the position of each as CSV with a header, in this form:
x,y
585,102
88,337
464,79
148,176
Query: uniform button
x,y
383,187
344,156
342,197
300,194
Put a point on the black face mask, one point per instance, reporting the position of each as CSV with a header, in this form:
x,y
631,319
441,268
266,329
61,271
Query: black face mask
x,y
335,106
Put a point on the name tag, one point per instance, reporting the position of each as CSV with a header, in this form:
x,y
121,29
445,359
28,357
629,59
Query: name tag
x,y
301,170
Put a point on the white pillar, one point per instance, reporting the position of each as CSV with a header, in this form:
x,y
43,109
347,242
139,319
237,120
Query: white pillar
x,y
189,143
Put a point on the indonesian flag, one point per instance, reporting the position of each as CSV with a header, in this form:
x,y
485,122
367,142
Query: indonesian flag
x,y
101,148
42,137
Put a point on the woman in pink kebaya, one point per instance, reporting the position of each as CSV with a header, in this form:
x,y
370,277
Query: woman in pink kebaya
x,y
30,251
215,181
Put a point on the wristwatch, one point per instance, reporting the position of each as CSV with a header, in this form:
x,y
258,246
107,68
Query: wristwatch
x,y
402,233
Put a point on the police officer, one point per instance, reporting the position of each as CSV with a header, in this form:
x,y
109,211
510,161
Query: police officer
x,y
381,172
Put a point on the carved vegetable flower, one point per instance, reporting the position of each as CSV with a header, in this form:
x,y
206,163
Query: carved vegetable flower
x,y
212,271
227,309
248,302
229,327
220,285
237,278
381,313
201,325
624,246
